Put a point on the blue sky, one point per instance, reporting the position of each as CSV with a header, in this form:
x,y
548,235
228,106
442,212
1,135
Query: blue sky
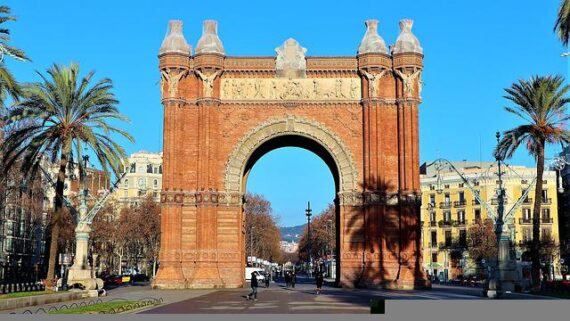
x,y
473,49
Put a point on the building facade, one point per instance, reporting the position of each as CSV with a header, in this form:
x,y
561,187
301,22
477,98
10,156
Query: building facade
x,y
23,222
143,178
289,247
359,113
449,209
564,207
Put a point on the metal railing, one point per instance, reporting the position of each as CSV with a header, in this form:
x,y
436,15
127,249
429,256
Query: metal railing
x,y
460,203
6,288
525,221
445,205
546,220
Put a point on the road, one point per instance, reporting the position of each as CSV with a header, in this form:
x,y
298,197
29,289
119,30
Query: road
x,y
303,299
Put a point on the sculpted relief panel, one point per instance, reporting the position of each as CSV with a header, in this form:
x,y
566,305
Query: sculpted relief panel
x,y
294,89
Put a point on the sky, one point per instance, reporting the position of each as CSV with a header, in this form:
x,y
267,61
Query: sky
x,y
473,50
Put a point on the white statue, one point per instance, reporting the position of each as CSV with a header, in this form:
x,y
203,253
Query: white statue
x,y
208,82
172,80
408,81
373,80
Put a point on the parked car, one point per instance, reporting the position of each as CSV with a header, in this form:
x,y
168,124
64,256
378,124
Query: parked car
x,y
112,279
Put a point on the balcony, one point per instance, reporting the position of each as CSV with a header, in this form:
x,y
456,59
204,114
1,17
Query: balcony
x,y
460,203
460,223
477,221
525,221
475,203
445,205
433,224
546,220
547,201
495,201
527,201
445,223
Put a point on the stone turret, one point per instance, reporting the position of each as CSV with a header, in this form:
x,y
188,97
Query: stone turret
x,y
407,41
174,56
372,42
210,42
174,41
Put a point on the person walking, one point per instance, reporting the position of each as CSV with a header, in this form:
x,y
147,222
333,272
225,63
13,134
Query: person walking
x,y
267,279
293,279
254,285
287,279
319,278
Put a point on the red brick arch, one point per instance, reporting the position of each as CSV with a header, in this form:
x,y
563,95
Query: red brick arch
x,y
222,113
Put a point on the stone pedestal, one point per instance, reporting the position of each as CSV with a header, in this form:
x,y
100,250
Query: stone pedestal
x,y
80,271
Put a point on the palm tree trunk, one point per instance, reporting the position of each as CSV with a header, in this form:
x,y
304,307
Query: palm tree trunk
x,y
534,251
56,220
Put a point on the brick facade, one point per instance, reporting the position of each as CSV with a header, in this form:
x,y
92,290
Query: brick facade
x,y
210,144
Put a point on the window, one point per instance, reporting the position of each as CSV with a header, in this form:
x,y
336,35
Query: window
x,y
160,169
546,215
447,200
432,188
527,234
141,169
447,238
526,214
477,214
462,197
545,234
141,183
446,186
155,194
155,183
461,185
434,257
462,237
432,217
155,170
149,168
432,199
447,216
433,238
461,217
126,183
133,167
544,195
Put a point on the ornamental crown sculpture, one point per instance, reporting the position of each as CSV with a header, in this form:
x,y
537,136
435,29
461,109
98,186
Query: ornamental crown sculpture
x,y
372,42
290,61
174,41
406,41
210,42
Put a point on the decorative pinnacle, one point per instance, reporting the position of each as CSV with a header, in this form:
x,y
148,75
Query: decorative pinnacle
x,y
210,42
372,42
174,41
407,41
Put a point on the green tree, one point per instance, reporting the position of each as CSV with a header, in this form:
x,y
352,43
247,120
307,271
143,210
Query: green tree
x,y
62,114
562,26
323,240
8,84
541,103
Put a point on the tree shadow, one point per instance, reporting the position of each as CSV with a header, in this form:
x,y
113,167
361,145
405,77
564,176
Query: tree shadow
x,y
385,232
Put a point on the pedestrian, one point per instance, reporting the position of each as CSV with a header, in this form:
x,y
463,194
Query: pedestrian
x,y
319,280
287,279
254,286
267,279
293,279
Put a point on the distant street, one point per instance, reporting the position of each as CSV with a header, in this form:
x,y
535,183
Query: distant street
x,y
302,299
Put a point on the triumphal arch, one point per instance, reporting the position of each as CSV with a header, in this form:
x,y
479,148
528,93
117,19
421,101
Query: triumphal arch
x,y
358,113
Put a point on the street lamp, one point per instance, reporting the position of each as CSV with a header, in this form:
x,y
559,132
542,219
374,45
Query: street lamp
x,y
308,214
251,243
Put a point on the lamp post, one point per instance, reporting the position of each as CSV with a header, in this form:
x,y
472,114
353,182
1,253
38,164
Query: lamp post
x,y
251,243
308,214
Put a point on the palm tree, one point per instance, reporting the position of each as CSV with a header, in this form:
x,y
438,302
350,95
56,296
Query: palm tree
x,y
59,116
562,26
8,85
541,103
